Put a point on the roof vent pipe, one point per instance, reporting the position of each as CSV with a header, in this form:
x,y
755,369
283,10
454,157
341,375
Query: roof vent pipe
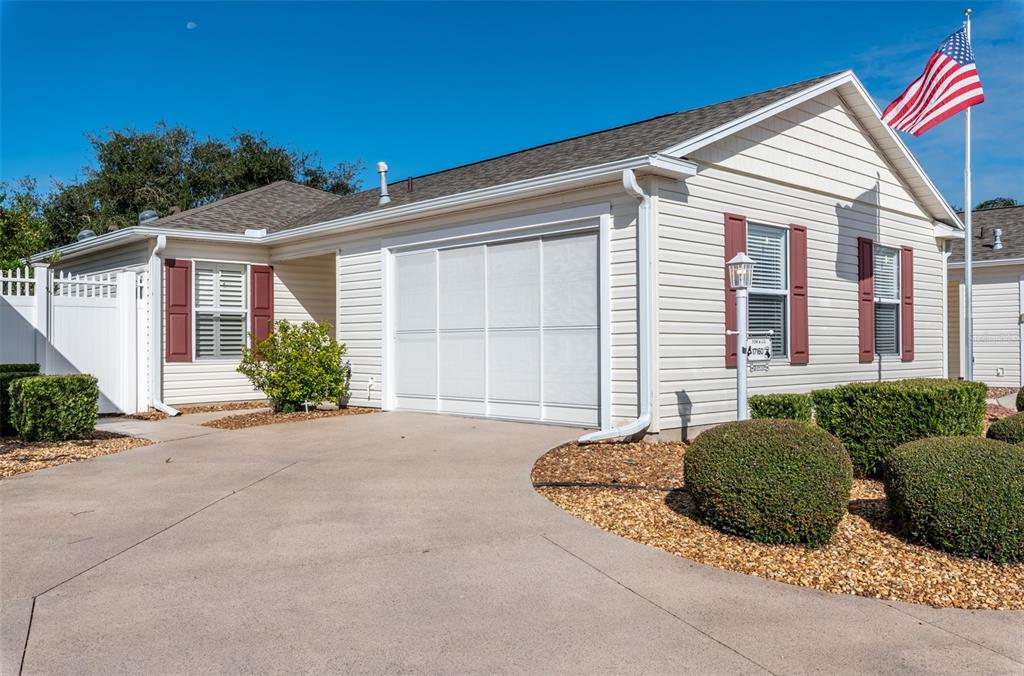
x,y
382,169
997,242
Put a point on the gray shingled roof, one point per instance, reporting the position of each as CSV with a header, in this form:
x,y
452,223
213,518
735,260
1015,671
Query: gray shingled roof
x,y
276,206
984,223
610,145
283,205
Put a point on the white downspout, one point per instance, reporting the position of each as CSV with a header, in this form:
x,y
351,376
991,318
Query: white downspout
x,y
156,328
645,265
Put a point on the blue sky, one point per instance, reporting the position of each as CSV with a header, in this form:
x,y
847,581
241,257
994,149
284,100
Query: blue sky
x,y
430,86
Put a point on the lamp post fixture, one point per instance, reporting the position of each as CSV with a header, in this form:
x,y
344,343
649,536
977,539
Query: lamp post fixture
x,y
741,272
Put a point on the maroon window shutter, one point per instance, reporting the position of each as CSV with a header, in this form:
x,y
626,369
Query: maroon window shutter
x,y
178,309
907,302
261,308
798,341
866,299
735,242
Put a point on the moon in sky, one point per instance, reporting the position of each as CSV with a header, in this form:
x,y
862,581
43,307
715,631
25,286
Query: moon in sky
x,y
191,25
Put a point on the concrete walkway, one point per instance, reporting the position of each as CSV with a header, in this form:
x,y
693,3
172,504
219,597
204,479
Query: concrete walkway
x,y
403,543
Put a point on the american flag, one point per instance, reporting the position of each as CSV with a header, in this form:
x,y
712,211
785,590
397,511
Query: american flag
x,y
948,85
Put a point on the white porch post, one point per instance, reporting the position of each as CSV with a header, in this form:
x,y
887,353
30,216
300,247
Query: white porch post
x,y
128,343
41,290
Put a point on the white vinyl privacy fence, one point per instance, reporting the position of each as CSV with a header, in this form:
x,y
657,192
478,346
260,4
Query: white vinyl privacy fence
x,y
95,324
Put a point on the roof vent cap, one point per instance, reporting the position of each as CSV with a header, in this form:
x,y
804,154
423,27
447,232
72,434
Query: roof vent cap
x,y
148,216
997,241
85,234
385,198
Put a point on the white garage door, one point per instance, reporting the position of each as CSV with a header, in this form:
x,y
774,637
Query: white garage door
x,y
507,330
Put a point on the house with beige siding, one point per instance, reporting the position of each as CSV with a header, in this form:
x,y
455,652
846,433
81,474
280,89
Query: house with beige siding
x,y
998,271
581,282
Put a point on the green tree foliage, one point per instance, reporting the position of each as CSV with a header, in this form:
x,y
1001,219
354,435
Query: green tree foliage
x,y
21,223
167,169
997,202
296,364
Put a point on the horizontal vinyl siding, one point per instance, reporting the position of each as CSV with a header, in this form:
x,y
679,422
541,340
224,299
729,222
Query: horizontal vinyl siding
x,y
129,255
304,290
204,381
360,286
997,310
359,316
954,311
811,166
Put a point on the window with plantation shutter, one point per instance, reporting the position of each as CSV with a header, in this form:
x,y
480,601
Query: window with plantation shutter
x,y
886,266
769,289
220,310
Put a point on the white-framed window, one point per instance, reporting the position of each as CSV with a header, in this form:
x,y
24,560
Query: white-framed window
x,y
221,310
769,289
886,265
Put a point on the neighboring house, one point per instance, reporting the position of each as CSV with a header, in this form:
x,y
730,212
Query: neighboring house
x,y
580,282
998,299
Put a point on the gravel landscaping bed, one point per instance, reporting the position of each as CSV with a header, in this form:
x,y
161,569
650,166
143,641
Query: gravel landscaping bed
x,y
236,422
866,557
153,414
18,457
997,392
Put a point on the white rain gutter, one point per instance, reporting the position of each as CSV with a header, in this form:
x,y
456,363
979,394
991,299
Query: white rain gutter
x,y
156,324
645,345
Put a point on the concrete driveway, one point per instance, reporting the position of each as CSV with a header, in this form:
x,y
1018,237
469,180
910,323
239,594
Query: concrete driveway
x,y
403,543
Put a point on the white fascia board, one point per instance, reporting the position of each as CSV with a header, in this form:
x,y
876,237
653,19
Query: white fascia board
x,y
846,77
988,264
943,231
657,164
119,237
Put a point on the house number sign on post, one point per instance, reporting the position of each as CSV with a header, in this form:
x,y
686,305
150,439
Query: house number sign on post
x,y
759,353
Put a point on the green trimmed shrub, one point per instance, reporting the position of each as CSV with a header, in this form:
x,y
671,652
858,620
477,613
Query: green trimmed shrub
x,y
783,406
964,495
54,408
774,481
8,374
1009,429
872,419
297,363
19,368
1020,399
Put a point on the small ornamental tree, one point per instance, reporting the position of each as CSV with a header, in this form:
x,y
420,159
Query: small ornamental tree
x,y
297,364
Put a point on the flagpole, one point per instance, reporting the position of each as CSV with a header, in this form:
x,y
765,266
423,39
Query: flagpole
x,y
968,235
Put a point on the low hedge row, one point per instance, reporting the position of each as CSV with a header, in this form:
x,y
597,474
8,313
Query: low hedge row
x,y
1010,430
773,481
8,374
782,406
54,408
963,495
872,419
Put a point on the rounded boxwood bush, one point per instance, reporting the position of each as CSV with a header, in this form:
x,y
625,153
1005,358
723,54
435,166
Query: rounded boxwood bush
x,y
1010,429
774,481
964,495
